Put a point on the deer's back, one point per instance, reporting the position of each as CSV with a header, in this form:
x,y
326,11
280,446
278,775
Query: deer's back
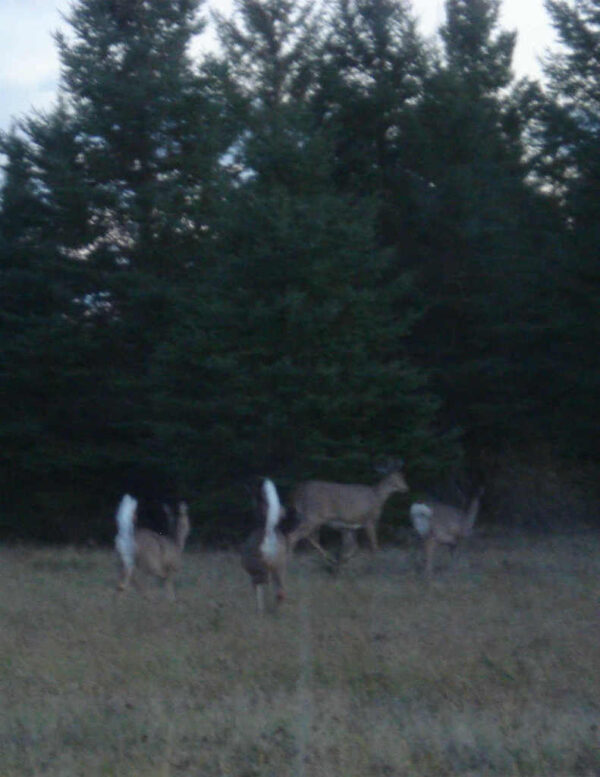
x,y
447,522
155,553
333,500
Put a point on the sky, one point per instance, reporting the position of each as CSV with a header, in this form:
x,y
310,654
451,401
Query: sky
x,y
29,65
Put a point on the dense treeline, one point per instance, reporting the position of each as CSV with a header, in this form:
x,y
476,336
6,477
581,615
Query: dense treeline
x,y
325,241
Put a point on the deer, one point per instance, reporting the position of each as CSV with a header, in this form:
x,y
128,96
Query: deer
x,y
264,553
148,550
344,506
441,524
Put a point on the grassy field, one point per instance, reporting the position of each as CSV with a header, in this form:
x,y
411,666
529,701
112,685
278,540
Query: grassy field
x,y
494,669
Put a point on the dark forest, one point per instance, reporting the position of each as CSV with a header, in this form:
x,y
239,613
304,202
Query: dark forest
x,y
322,243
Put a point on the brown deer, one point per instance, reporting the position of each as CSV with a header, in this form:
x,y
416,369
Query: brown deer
x,y
147,550
343,506
441,524
264,553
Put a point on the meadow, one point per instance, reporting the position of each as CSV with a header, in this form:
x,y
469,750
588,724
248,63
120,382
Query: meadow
x,y
492,669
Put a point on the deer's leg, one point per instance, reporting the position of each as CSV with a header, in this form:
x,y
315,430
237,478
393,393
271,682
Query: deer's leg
x,y
260,598
458,556
301,532
306,531
170,588
126,575
278,582
316,544
430,544
349,544
140,583
372,536
453,556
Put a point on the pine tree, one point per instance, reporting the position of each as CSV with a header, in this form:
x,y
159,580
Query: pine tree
x,y
569,163
371,77
141,114
270,50
118,185
45,369
300,355
475,49
487,245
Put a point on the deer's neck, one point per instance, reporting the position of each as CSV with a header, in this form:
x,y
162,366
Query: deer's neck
x,y
385,489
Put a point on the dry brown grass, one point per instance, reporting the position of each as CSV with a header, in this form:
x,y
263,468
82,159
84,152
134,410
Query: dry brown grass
x,y
492,670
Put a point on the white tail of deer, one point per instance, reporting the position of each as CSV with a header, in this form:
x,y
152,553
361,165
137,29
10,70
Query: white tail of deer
x,y
343,506
264,554
147,550
441,524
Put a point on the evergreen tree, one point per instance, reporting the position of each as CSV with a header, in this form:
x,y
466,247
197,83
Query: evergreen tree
x,y
141,115
116,189
475,49
487,248
270,51
569,163
45,368
371,78
471,149
297,366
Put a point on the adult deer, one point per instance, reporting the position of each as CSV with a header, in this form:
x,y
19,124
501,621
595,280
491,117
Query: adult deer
x,y
344,506
441,524
264,553
147,550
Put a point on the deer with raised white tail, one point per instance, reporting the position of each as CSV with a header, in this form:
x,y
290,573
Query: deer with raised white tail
x,y
344,506
264,553
146,550
441,524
